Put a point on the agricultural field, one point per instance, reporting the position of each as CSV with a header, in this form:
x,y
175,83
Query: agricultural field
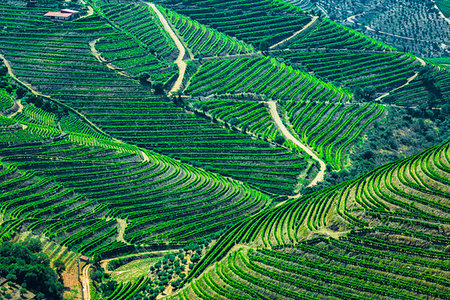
x,y
415,26
219,150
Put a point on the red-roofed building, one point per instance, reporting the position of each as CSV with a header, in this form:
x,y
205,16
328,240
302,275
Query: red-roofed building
x,y
63,14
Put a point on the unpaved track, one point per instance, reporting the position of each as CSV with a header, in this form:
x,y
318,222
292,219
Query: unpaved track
x,y
99,57
422,62
179,61
19,109
10,72
90,10
86,289
313,20
276,118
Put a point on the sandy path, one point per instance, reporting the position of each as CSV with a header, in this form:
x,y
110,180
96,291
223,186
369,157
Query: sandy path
x,y
391,34
276,118
351,19
90,10
313,20
85,282
422,62
10,72
99,57
19,106
179,61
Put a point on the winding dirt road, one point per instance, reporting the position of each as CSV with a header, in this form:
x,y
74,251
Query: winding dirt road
x,y
10,72
84,277
276,118
99,57
422,62
313,20
90,11
179,61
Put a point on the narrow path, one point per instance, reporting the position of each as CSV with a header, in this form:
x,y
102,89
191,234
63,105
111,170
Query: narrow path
x,y
351,19
18,109
422,62
99,57
391,34
179,61
313,20
10,72
90,10
276,118
84,277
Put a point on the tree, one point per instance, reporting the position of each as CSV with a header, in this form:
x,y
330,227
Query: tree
x,y
60,268
143,78
263,45
158,86
280,139
26,266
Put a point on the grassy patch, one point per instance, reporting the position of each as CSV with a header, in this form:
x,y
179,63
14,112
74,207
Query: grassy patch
x,y
133,270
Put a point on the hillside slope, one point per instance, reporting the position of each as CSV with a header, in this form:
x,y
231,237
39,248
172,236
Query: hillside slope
x,y
397,215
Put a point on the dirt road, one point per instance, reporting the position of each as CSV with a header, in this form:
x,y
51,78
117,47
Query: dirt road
x,y
276,118
179,61
422,62
90,11
313,20
10,72
84,277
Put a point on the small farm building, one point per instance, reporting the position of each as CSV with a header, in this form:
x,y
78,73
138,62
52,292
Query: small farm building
x,y
63,14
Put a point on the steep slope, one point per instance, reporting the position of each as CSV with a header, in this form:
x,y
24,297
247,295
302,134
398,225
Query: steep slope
x,y
401,209
74,188
129,110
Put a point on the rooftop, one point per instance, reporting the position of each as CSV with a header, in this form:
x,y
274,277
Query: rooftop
x,y
57,14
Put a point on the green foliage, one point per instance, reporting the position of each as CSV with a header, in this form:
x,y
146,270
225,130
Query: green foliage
x,y
6,100
24,264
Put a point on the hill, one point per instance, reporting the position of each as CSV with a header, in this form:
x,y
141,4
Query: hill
x,y
370,236
222,149
419,27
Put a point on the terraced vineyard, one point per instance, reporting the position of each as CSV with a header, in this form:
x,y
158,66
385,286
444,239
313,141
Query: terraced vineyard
x,y
399,208
65,188
205,41
331,35
331,128
185,149
247,115
358,70
247,20
261,75
120,105
141,23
